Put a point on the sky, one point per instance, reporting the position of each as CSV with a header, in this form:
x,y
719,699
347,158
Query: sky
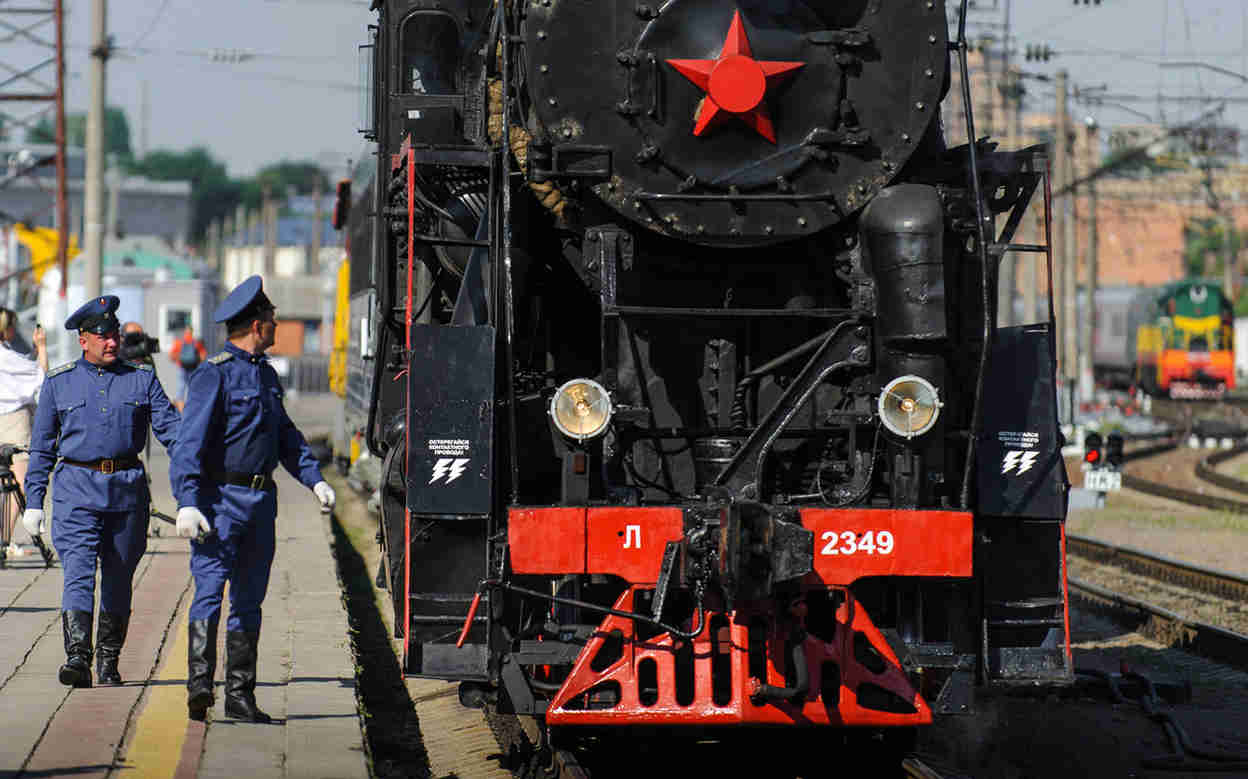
x,y
1122,45
298,98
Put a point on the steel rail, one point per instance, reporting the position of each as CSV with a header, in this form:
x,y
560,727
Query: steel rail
x,y
1208,641
1209,581
1215,502
1207,469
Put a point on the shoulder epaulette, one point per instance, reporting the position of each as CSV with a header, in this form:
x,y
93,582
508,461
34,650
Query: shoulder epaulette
x,y
61,369
217,359
140,365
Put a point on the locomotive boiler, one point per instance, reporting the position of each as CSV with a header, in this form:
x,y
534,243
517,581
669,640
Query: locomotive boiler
x,y
682,358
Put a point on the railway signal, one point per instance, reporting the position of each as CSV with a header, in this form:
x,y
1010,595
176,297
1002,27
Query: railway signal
x,y
1102,459
1113,450
1092,449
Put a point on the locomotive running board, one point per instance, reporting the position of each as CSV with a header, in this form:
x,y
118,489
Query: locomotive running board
x,y
853,680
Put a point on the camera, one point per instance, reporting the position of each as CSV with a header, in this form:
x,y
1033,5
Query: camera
x,y
138,346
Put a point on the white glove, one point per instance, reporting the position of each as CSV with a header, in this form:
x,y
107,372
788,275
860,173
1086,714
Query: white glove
x,y
32,520
325,494
192,523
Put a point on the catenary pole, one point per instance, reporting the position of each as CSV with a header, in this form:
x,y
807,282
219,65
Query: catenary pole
x,y
93,218
1088,326
1061,177
62,186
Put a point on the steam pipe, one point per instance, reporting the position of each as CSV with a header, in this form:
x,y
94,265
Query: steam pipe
x,y
977,407
767,693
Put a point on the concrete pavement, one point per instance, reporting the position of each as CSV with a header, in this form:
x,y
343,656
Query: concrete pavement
x,y
306,668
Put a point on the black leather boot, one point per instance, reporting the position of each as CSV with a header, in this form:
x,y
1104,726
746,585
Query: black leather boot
x,y
109,638
240,677
201,661
77,628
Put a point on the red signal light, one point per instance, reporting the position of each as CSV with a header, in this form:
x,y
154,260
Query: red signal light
x,y
1093,457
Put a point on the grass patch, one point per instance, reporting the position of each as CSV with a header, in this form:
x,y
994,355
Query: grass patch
x,y
1083,520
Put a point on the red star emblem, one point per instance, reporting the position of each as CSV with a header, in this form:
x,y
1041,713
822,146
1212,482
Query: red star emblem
x,y
735,84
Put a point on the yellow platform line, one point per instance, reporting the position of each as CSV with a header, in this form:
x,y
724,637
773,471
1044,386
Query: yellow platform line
x,y
161,730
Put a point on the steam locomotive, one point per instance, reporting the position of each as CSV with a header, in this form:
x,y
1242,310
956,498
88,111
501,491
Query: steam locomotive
x,y
678,342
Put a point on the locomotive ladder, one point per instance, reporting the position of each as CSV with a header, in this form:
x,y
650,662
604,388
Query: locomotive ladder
x,y
1024,628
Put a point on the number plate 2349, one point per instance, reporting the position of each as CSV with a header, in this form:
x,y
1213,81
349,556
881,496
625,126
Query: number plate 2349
x,y
847,542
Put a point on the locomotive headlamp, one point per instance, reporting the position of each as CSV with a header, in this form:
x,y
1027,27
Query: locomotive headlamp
x,y
581,409
909,406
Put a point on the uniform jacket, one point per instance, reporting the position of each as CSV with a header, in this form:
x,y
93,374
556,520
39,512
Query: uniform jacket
x,y
91,412
235,422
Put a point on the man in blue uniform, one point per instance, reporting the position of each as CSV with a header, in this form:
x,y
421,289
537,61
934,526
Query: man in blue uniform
x,y
94,414
234,433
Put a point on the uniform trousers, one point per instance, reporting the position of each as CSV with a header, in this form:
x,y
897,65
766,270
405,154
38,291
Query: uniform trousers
x,y
117,539
241,552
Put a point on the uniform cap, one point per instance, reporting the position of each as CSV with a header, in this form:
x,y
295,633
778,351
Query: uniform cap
x,y
96,316
245,298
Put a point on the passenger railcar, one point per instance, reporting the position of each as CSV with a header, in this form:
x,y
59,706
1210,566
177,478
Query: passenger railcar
x,y
692,408
351,359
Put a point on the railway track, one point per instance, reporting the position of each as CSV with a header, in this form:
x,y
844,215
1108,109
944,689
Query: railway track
x,y
1193,577
1205,469
1167,626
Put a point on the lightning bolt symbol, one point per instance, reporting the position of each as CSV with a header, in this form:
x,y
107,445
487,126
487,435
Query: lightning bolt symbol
x,y
1029,459
457,469
439,469
1011,459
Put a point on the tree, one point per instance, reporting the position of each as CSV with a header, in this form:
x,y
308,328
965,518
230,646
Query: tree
x,y
213,193
282,177
116,133
1204,241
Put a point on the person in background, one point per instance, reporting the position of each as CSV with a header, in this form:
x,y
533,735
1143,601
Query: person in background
x,y
132,336
20,380
137,346
93,415
234,434
187,353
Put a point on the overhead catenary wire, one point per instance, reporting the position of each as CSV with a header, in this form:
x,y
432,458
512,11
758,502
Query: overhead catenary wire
x,y
235,74
160,12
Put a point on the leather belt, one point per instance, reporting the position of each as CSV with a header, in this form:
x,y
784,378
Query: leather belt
x,y
255,481
109,465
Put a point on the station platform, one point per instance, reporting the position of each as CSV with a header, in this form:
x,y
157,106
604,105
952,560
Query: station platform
x,y
306,678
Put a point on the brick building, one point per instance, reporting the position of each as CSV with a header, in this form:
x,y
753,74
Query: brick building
x,y
1140,218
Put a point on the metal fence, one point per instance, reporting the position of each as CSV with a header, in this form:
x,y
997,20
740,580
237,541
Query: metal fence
x,y
306,373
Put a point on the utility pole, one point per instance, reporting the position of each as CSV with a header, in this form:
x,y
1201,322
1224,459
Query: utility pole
x,y
1061,177
1228,254
93,218
268,214
255,246
314,254
114,200
1007,283
1070,257
213,240
227,242
62,186
143,120
1087,378
240,225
